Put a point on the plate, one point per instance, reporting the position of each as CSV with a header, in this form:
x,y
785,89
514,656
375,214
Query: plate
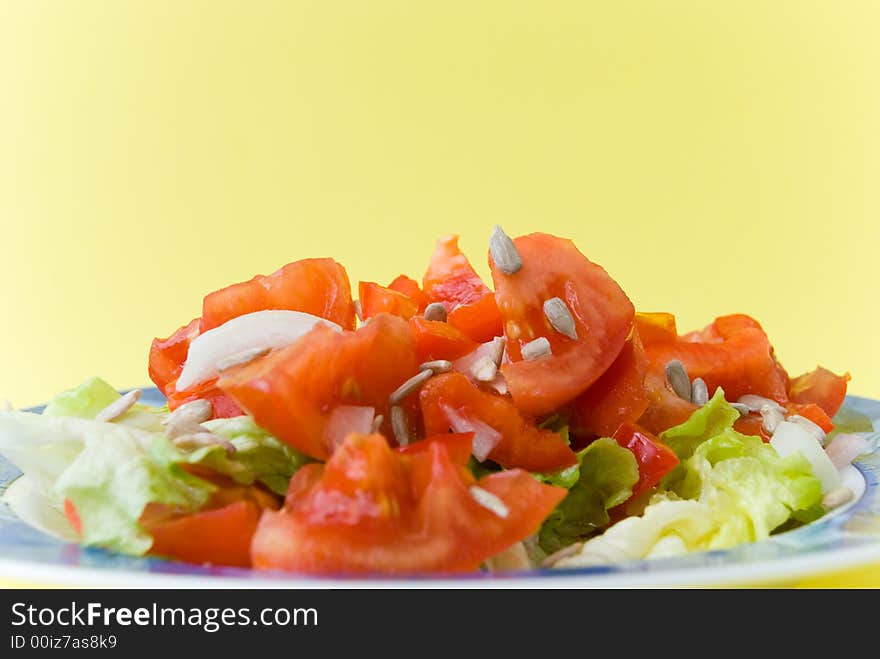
x,y
848,538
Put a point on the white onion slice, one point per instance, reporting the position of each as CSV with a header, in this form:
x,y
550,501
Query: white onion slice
x,y
345,419
845,448
791,438
464,365
486,437
254,331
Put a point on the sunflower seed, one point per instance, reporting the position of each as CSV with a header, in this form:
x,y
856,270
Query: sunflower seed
x,y
202,439
437,366
565,552
699,392
560,317
119,406
497,351
359,310
239,358
400,425
504,252
377,423
678,379
490,501
772,417
409,387
741,408
836,498
187,419
435,311
484,369
755,403
537,348
810,427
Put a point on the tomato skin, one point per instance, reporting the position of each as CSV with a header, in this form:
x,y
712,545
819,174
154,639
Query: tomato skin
x,y
814,413
655,458
376,299
665,408
820,387
618,396
344,519
410,287
223,406
655,327
168,355
435,339
72,516
522,444
603,316
481,320
450,278
220,537
316,286
291,392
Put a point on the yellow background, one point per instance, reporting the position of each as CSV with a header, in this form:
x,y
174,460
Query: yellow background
x,y
713,156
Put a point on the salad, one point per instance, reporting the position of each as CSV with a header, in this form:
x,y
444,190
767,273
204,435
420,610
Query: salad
x,y
440,426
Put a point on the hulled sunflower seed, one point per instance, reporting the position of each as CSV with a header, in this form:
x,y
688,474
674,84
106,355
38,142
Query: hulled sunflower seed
x,y
565,552
119,406
741,408
437,366
400,425
560,317
435,311
810,427
239,358
836,498
536,349
699,392
377,423
201,439
409,387
504,252
484,369
755,402
771,417
490,501
678,379
187,419
359,310
496,354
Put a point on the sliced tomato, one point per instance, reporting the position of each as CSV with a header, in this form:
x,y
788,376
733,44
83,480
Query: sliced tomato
x,y
438,340
221,403
481,321
410,287
168,355
521,445
316,286
655,458
655,327
752,425
602,313
733,353
820,387
618,396
814,413
72,516
376,299
361,513
665,408
292,392
457,443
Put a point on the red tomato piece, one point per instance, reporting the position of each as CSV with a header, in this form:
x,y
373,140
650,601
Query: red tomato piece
x,y
224,407
751,425
655,327
438,340
655,458
410,287
814,413
602,313
168,355
820,387
522,444
481,320
618,396
361,513
377,299
72,516
665,408
316,286
291,392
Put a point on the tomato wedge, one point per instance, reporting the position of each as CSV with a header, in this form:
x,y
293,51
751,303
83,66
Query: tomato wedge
x,y
362,513
521,444
168,355
223,406
602,313
291,392
376,299
452,281
316,286
655,458
438,340
618,396
820,387
655,327
410,287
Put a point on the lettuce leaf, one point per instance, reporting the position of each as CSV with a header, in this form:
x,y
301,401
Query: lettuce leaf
x,y
606,474
708,421
92,396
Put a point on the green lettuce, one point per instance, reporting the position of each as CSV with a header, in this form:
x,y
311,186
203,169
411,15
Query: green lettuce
x,y
605,476
92,396
708,421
